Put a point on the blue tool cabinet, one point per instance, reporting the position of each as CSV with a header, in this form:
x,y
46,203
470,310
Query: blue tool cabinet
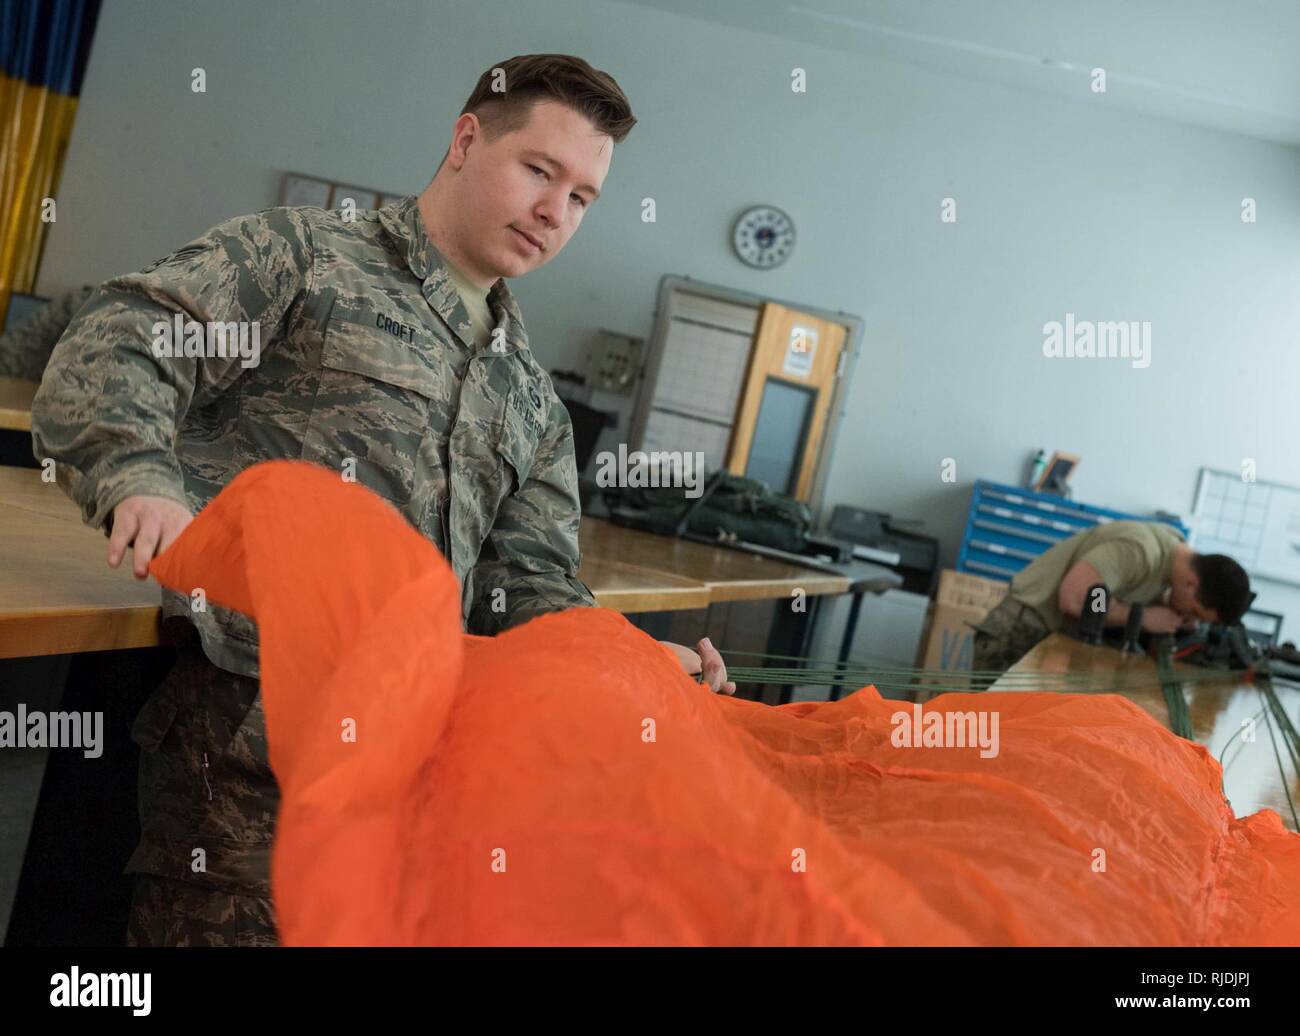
x,y
1008,527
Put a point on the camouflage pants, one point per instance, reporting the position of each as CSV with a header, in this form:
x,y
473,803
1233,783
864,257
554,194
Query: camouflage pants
x,y
180,913
1006,635
208,801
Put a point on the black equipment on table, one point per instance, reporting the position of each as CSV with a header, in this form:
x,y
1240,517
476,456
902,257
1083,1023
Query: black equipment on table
x,y
1092,621
1217,647
1133,630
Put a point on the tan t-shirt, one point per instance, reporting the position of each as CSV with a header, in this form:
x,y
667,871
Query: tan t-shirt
x,y
1134,559
476,305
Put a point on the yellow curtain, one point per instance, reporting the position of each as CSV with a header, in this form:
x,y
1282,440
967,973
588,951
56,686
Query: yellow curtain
x,y
43,45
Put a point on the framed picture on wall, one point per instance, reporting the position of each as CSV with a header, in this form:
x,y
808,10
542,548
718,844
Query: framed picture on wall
x,y
300,189
296,189
1058,472
362,197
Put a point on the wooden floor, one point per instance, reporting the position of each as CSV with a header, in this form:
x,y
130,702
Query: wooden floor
x,y
1219,708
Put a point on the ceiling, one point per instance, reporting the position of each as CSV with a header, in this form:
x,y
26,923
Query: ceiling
x,y
1230,65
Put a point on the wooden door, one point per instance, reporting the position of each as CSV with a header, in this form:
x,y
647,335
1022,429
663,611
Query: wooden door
x,y
792,350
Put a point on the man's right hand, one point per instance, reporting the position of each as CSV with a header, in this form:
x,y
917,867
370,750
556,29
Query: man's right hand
x,y
147,524
1156,618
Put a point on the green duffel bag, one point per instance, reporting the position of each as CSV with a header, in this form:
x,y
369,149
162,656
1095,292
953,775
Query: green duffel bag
x,y
736,509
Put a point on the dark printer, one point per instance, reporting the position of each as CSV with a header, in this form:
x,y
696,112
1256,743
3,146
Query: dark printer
x,y
873,536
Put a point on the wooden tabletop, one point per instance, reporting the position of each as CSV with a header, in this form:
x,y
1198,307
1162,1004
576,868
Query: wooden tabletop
x,y
1217,702
730,575
16,403
627,588
58,594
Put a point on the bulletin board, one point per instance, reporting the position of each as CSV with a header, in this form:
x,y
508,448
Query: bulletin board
x,y
1256,523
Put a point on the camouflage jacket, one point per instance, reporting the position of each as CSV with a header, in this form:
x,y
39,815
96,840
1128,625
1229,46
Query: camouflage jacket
x,y
366,365
25,349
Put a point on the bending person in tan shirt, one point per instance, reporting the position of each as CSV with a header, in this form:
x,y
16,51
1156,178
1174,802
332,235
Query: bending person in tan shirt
x,y
1139,562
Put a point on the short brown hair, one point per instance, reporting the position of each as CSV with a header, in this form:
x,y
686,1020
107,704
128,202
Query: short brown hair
x,y
524,80
1225,587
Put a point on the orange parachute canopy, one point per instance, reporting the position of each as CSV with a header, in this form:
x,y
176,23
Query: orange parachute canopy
x,y
567,783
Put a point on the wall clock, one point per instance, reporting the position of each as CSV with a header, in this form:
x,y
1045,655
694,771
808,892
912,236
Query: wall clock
x,y
763,236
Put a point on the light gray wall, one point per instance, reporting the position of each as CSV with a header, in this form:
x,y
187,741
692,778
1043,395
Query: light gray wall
x,y
1063,205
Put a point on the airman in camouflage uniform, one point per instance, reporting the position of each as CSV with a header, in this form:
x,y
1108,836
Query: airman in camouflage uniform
x,y
368,365
26,347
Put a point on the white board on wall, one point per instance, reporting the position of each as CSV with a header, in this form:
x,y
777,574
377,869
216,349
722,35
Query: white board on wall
x,y
701,371
1257,523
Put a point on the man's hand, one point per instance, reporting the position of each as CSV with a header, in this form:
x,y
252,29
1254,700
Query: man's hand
x,y
707,660
147,524
1156,618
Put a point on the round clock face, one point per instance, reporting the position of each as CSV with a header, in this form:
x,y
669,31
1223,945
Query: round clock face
x,y
763,236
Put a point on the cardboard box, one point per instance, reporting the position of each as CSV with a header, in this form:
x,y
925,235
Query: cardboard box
x,y
950,640
963,590
961,601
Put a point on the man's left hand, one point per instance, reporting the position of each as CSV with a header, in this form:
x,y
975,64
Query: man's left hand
x,y
707,660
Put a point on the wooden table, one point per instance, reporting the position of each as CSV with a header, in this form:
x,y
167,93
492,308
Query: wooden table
x,y
16,404
728,575
58,595
1218,705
